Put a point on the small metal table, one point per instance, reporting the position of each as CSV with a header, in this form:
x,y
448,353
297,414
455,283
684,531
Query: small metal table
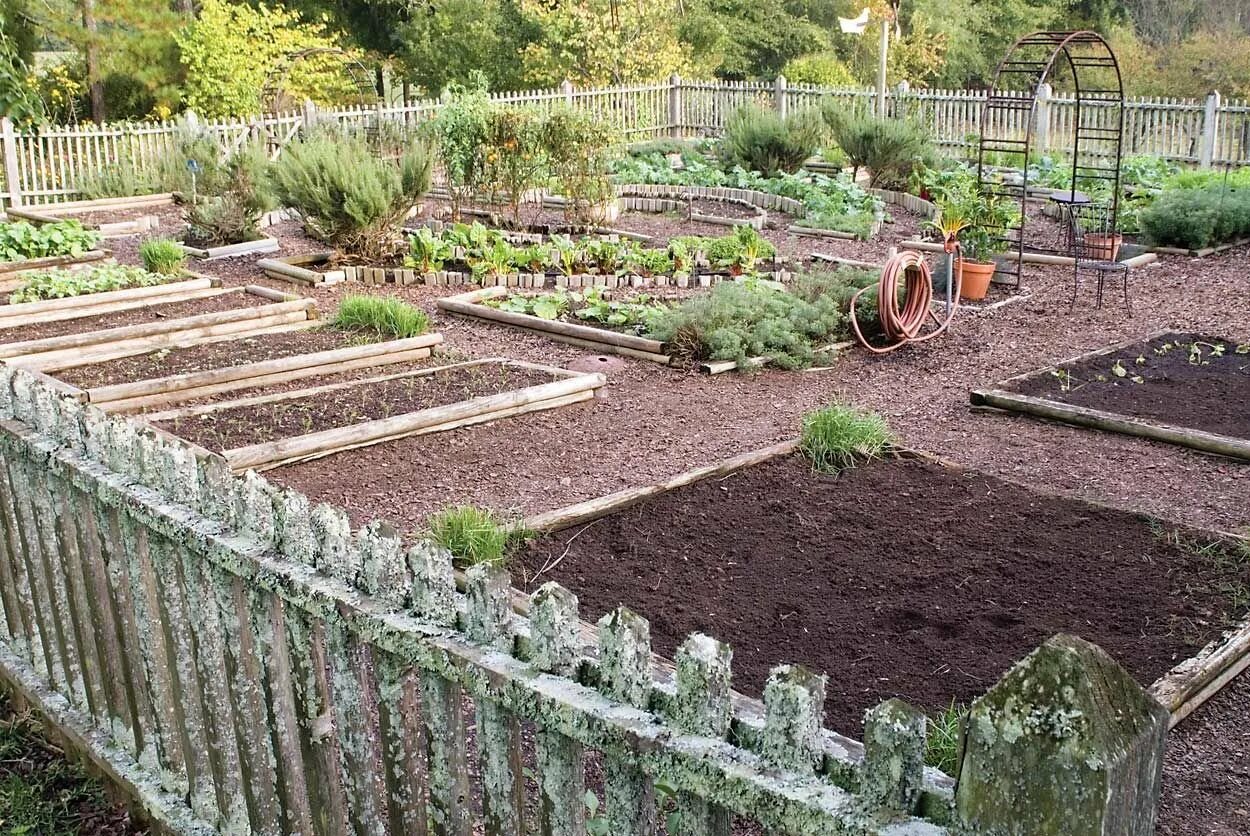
x,y
1067,201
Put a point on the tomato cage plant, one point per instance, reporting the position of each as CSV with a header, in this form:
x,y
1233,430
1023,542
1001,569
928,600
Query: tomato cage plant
x,y
1085,120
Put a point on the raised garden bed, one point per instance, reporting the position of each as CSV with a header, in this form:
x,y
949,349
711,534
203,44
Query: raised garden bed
x,y
260,245
1181,388
109,302
240,312
11,271
116,229
269,431
902,577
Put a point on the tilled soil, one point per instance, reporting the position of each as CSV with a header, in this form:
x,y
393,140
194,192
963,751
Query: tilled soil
x,y
898,578
135,316
245,425
1185,380
165,363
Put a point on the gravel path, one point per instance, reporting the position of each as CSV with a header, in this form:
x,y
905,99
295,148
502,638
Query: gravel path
x,y
653,422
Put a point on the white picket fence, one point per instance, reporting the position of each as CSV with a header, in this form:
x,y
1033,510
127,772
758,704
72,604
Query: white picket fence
x,y
47,165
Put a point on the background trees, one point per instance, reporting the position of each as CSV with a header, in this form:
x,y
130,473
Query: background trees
x,y
66,60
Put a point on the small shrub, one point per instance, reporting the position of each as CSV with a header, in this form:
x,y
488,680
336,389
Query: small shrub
x,y
889,148
514,159
579,158
1197,218
472,535
160,255
460,128
388,316
823,69
22,240
760,140
836,437
61,284
229,211
347,197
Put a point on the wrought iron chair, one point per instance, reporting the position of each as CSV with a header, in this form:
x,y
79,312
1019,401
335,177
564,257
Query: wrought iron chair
x,y
1094,245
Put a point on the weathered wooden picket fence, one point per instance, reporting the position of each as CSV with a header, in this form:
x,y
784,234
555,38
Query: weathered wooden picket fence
x,y
241,661
48,165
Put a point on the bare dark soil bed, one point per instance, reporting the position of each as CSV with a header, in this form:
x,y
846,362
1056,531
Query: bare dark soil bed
x,y
245,425
899,578
136,316
1186,380
212,356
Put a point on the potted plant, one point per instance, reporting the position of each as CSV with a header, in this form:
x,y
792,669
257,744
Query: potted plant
x,y
1104,246
975,221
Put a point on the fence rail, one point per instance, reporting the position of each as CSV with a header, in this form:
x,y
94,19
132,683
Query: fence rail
x,y
244,662
51,164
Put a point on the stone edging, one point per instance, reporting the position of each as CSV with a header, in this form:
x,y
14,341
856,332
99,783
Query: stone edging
x,y
452,278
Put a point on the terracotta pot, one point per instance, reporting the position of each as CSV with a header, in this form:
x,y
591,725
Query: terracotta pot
x,y
1103,247
974,279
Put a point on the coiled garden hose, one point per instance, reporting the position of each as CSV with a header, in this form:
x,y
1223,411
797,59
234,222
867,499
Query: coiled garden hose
x,y
903,325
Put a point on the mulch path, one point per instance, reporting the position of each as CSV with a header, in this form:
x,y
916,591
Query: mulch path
x,y
1185,380
135,316
246,425
898,578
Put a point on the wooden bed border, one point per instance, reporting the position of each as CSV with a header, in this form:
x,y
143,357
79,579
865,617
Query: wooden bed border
x,y
1182,690
1000,397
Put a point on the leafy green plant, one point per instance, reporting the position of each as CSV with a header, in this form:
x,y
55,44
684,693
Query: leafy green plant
x,y
381,314
543,305
578,147
472,535
740,251
460,128
532,259
982,220
624,315
496,260
758,139
515,160
942,739
347,197
427,251
568,254
838,436
61,284
163,256
889,148
22,240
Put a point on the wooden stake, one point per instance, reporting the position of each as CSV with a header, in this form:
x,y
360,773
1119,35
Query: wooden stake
x,y
22,309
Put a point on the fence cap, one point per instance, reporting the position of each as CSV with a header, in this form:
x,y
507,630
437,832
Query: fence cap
x,y
1066,739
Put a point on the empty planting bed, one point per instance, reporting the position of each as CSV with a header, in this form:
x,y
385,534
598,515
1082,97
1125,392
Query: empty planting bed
x,y
899,578
1182,388
291,424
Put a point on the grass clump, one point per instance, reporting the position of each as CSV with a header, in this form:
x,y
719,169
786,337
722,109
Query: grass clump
x,y
162,256
472,535
385,315
836,437
760,140
942,741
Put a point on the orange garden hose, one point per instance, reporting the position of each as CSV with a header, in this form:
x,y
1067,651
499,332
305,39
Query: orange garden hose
x,y
904,325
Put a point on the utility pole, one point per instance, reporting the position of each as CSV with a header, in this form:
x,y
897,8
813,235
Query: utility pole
x,y
881,66
91,54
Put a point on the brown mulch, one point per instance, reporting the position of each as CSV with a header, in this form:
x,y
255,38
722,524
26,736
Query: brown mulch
x,y
898,578
1185,380
246,425
134,316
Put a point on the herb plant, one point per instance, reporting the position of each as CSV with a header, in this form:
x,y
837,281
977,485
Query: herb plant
x,y
163,256
838,436
472,535
384,315
61,284
22,240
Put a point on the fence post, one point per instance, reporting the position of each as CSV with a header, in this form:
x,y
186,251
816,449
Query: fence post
x,y
779,96
9,137
566,88
1210,129
1041,131
1066,744
674,106
309,114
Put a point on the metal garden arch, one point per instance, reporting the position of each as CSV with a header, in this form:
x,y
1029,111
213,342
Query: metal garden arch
x,y
1094,133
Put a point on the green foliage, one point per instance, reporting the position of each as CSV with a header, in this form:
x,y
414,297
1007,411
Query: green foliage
x,y
1197,218
833,203
427,251
595,306
167,173
460,127
19,100
889,148
162,256
823,69
750,39
383,315
758,139
229,211
749,318
347,197
472,535
942,739
579,157
740,251
515,160
22,240
838,436
231,51
61,284
982,219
